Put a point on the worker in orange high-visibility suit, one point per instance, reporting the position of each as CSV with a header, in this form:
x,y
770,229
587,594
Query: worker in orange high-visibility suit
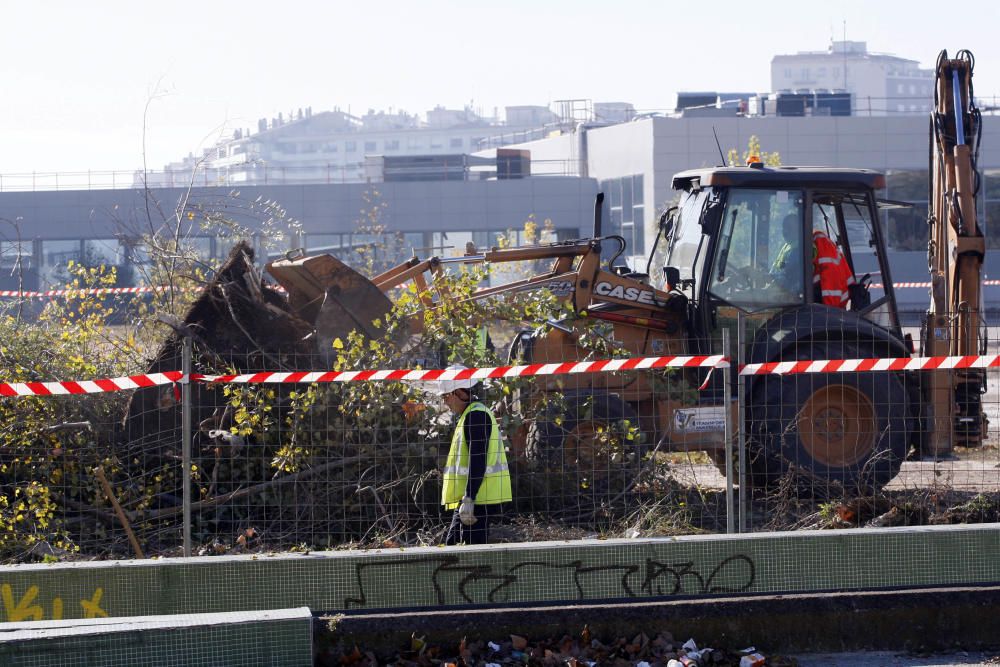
x,y
832,275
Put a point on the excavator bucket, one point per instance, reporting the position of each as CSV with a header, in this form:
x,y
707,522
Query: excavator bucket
x,y
333,296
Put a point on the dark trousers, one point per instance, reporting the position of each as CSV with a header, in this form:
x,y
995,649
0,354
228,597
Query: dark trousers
x,y
477,533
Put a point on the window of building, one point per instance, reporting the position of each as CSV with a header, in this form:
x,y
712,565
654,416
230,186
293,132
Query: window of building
x,y
906,228
436,143
626,212
990,212
456,142
14,254
350,146
137,253
413,243
59,253
323,243
107,252
201,246
484,240
370,146
414,143
56,254
392,144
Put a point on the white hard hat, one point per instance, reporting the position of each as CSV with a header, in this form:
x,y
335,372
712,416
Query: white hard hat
x,y
443,387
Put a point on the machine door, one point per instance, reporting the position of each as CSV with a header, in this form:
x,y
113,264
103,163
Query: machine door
x,y
758,262
847,219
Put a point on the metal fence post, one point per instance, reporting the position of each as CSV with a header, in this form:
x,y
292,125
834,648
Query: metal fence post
x,y
727,391
741,410
186,352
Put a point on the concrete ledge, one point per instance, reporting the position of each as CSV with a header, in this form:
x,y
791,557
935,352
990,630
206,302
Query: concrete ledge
x,y
509,574
927,619
274,638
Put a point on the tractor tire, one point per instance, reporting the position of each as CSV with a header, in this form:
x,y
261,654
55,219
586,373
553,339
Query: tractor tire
x,y
840,429
594,434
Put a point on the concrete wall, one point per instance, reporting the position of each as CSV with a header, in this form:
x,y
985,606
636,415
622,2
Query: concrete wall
x,y
425,207
871,143
420,206
280,638
805,561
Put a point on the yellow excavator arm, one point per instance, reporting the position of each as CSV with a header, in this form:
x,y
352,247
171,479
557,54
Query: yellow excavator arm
x,y
955,255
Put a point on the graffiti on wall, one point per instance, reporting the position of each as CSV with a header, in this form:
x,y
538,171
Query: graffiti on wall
x,y
445,579
26,606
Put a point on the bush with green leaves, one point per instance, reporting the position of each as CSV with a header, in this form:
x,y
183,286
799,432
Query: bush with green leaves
x,y
49,446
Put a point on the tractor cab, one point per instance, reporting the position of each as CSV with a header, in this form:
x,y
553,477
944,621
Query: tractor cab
x,y
758,240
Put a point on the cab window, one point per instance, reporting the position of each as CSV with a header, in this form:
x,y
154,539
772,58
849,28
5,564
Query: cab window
x,y
758,259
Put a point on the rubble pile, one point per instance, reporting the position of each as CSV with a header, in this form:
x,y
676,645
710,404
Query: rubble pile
x,y
583,650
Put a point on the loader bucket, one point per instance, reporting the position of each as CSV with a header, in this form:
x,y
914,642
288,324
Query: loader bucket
x,y
351,304
333,296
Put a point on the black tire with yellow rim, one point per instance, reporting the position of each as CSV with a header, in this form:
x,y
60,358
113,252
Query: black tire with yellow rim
x,y
850,428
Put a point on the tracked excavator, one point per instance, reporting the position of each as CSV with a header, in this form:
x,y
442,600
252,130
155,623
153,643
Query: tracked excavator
x,y
722,242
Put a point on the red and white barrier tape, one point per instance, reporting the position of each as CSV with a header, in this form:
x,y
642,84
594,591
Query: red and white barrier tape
x,y
599,366
866,365
100,291
137,381
69,387
566,368
906,285
103,291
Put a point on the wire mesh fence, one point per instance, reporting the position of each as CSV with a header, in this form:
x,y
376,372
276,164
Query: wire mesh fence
x,y
668,447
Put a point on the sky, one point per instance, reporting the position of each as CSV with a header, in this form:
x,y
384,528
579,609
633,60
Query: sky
x,y
110,85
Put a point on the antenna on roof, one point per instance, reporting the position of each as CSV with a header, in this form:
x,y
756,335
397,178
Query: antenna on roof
x,y
721,155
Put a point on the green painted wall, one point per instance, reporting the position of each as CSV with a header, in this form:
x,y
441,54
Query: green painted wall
x,y
545,571
280,638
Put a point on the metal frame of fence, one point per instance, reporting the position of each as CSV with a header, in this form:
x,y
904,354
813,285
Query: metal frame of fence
x,y
275,460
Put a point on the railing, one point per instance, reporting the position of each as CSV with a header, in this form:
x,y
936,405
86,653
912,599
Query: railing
x,y
180,178
235,176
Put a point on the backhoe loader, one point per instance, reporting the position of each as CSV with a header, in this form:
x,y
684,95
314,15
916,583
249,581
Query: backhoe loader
x,y
722,243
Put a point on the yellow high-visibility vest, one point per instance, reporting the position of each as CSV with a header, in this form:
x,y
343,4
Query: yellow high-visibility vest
x,y
496,482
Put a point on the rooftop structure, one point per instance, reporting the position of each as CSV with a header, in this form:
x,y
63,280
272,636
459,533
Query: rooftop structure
x,y
879,83
335,146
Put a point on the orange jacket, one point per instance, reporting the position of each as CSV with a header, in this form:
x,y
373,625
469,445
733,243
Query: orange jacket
x,y
831,271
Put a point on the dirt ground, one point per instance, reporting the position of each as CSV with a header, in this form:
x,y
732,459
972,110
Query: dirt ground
x,y
973,470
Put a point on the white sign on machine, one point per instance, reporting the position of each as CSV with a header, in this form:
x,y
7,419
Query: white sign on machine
x,y
699,420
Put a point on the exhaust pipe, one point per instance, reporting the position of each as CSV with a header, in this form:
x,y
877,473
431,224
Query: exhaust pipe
x,y
598,210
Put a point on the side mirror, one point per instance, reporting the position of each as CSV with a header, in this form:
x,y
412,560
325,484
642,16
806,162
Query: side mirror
x,y
711,216
671,276
667,221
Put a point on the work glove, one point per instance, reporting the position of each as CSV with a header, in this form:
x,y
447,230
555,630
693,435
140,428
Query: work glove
x,y
467,511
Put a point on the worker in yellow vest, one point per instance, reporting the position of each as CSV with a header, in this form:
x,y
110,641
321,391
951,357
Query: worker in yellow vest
x,y
476,477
